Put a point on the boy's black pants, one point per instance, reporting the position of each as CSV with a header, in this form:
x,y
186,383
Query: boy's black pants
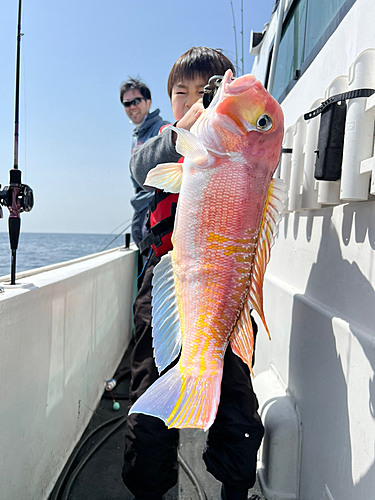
x,y
150,460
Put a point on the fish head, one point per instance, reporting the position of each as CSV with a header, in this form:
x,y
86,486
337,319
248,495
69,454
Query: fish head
x,y
243,118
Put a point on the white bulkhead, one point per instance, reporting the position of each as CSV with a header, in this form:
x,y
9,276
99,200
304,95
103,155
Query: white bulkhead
x,y
315,379
61,337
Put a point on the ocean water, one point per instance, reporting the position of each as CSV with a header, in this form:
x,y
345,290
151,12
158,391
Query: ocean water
x,y
42,249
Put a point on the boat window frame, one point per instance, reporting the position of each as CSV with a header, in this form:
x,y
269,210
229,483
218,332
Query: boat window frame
x,y
331,28
268,71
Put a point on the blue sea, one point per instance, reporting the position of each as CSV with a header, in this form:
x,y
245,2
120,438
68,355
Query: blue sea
x,y
42,249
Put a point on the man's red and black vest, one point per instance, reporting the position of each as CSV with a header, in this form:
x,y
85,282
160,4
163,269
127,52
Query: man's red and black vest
x,y
162,211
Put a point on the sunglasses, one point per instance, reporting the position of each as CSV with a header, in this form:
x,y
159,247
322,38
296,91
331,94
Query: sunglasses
x,y
134,102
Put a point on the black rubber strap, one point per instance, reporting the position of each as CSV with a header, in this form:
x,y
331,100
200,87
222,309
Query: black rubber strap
x,y
146,243
352,94
156,233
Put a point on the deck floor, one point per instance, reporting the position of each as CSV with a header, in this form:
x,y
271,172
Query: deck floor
x,y
100,477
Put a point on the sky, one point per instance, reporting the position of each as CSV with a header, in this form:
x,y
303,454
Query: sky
x,y
75,138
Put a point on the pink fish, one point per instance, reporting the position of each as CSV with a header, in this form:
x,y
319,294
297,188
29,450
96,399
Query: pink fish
x,y
227,215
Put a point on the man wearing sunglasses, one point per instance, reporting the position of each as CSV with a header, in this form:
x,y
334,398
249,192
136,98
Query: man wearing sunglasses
x,y
135,96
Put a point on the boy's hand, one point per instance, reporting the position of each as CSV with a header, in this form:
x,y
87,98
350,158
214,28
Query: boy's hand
x,y
188,120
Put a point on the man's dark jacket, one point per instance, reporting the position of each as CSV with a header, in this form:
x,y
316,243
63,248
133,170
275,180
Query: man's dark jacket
x,y
149,128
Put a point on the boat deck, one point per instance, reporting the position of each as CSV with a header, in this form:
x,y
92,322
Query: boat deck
x,y
93,471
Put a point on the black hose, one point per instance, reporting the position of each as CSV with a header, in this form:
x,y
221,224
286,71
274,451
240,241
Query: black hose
x,y
117,397
120,421
89,454
193,478
60,482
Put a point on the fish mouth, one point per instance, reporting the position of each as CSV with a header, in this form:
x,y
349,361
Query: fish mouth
x,y
239,85
229,88
232,87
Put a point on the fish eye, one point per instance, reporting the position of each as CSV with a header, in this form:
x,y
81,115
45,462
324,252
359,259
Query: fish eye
x,y
264,123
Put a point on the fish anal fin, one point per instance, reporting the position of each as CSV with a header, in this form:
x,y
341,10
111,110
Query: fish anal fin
x,y
166,176
166,331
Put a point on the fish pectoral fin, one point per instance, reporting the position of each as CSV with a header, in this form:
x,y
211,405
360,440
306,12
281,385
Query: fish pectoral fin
x,y
242,338
191,147
180,400
166,176
166,331
271,217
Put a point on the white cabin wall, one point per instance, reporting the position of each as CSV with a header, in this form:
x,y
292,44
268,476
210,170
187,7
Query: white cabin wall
x,y
59,341
320,308
320,304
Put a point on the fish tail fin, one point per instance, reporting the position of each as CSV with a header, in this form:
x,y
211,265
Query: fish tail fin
x,y
181,400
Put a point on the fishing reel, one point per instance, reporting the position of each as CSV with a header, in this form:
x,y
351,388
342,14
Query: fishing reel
x,y
211,88
25,197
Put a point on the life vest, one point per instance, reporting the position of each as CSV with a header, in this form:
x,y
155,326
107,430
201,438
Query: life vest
x,y
162,211
160,222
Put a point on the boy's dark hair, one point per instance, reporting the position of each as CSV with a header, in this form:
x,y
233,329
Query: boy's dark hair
x,y
135,84
198,61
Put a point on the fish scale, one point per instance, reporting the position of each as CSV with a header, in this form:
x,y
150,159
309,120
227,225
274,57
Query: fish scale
x,y
224,217
227,215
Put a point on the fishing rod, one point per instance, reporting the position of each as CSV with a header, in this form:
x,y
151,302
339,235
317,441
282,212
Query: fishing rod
x,y
17,197
235,40
242,52
235,35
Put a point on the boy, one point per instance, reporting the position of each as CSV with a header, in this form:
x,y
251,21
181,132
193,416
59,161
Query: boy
x,y
150,461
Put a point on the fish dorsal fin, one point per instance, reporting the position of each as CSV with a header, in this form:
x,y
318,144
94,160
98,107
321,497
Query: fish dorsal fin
x,y
271,217
166,176
242,338
191,147
165,319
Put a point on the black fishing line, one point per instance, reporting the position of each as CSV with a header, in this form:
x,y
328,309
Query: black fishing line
x,y
114,239
116,228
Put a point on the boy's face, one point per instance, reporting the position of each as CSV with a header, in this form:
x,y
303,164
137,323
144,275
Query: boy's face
x,y
185,93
